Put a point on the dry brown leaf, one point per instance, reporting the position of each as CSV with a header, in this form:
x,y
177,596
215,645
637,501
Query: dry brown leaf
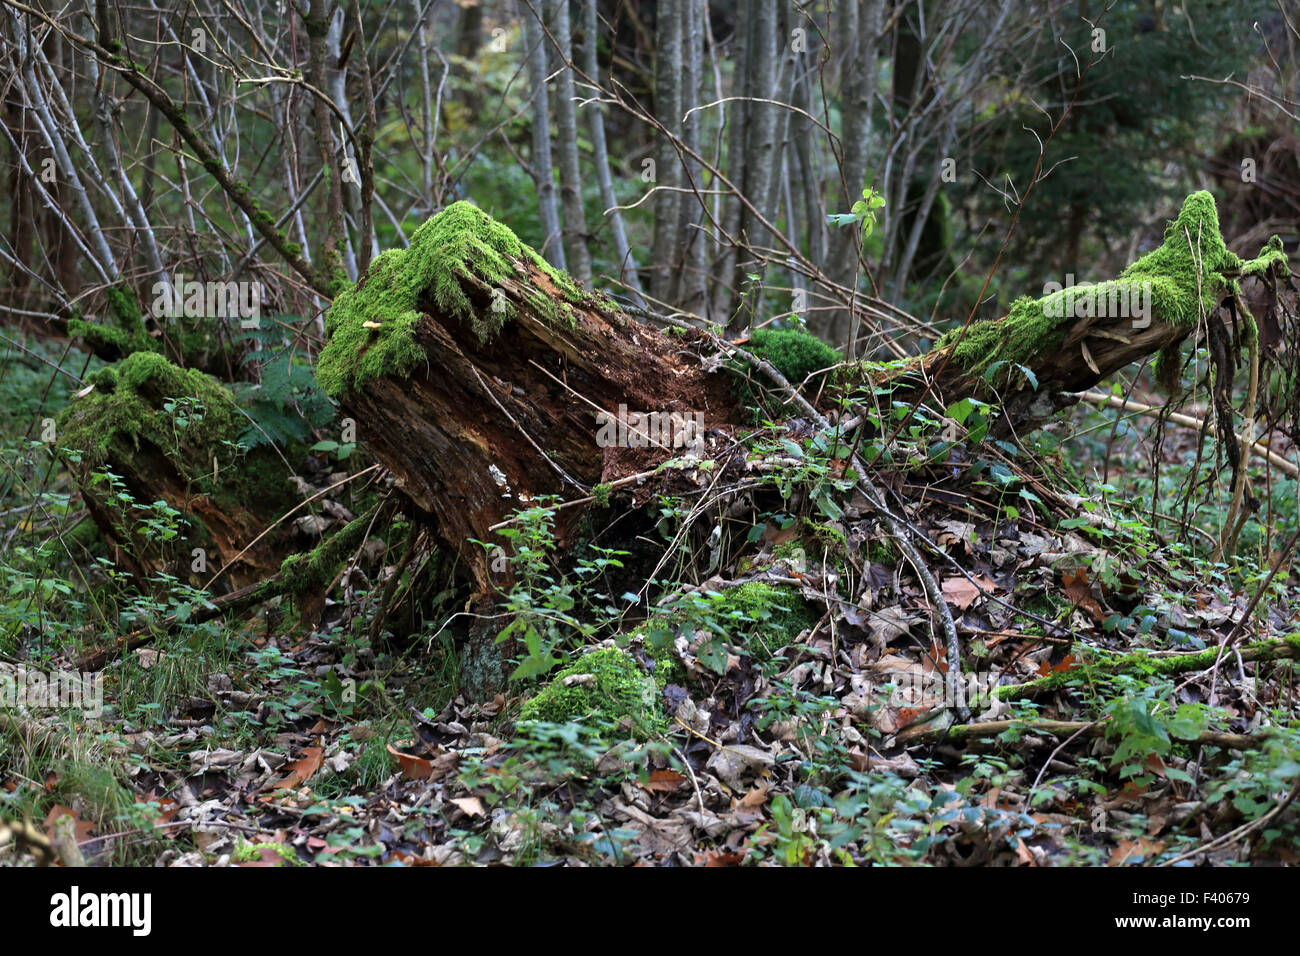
x,y
81,828
301,770
960,592
664,780
470,806
1133,850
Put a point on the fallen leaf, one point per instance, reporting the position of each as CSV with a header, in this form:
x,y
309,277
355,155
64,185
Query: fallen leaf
x,y
1133,851
960,592
720,858
470,806
664,780
734,763
81,828
301,770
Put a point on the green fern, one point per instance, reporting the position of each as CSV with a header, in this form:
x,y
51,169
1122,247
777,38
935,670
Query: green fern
x,y
287,405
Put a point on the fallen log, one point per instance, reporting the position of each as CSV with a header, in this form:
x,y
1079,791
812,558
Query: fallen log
x,y
1036,359
484,379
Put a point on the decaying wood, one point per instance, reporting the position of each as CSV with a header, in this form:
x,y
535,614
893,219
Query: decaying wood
x,y
482,429
484,426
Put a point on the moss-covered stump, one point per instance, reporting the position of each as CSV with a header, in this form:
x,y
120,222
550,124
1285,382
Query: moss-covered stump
x,y
606,688
475,372
153,449
1071,339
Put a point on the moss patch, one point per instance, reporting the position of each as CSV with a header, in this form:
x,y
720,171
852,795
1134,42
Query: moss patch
x,y
128,407
459,247
313,570
608,685
768,616
127,334
145,404
1192,258
794,353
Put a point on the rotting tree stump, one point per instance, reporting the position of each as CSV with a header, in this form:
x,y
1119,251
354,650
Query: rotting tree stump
x,y
476,372
148,432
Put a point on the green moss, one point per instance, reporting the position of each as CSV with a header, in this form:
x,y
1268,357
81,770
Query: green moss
x,y
1192,261
145,405
767,616
127,334
460,247
247,852
608,685
658,646
127,409
601,494
794,353
883,551
315,569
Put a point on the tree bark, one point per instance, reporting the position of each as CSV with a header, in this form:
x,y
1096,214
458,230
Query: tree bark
x,y
668,171
566,125
600,155
861,26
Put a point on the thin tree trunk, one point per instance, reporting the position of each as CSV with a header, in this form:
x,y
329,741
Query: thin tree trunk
x,y
600,151
738,113
566,124
351,185
334,245
860,28
542,171
695,290
668,110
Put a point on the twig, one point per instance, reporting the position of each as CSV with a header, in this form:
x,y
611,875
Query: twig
x,y
1232,836
1178,418
1270,650
1076,728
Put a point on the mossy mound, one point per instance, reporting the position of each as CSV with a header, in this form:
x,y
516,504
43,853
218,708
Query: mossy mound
x,y
794,353
606,686
128,412
460,246
1190,262
768,616
127,407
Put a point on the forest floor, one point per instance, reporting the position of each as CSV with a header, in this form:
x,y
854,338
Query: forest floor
x,y
803,711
